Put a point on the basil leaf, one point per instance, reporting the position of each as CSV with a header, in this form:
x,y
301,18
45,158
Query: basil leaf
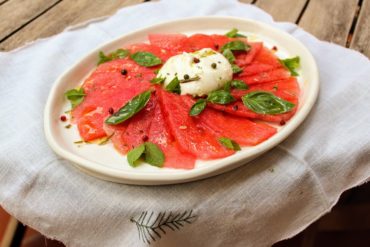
x,y
266,103
119,53
153,154
236,69
291,64
220,97
75,96
233,33
158,80
174,86
130,108
198,107
229,55
228,143
235,45
227,86
146,59
135,154
239,84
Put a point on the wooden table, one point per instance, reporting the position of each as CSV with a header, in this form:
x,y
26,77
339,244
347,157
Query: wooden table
x,y
344,22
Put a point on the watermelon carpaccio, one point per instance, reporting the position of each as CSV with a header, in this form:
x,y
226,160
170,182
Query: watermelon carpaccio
x,y
165,120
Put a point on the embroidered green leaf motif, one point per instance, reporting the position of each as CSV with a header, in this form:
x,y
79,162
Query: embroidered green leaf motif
x,y
239,84
119,53
220,97
146,59
266,103
135,154
228,143
233,33
158,80
236,69
174,86
151,226
129,109
291,64
198,107
153,154
75,96
235,45
229,55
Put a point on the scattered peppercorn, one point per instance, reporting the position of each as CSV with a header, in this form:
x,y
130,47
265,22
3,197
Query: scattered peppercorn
x,y
63,118
214,65
216,46
124,72
282,122
110,110
196,60
145,138
186,77
274,48
235,107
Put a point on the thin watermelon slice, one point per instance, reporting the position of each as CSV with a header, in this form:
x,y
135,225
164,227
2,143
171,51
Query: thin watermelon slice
x,y
267,76
159,134
241,130
287,89
245,58
171,42
162,53
191,136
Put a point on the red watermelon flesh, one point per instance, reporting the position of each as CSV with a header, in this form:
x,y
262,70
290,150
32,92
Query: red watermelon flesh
x,y
162,53
191,136
107,88
241,130
266,56
117,136
244,58
172,42
159,133
267,76
199,41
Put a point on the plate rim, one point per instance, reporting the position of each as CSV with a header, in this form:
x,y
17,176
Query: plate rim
x,y
129,177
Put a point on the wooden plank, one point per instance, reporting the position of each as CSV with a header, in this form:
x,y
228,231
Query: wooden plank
x,y
64,14
246,1
329,20
282,10
16,13
361,37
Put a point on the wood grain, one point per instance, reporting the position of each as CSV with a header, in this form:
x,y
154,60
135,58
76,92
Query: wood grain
x,y
361,37
282,10
64,14
16,13
329,20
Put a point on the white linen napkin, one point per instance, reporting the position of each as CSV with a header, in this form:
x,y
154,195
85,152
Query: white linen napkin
x,y
272,198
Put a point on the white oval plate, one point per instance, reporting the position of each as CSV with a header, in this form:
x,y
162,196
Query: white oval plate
x,y
106,163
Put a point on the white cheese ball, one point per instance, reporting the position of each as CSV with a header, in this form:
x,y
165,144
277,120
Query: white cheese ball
x,y
209,69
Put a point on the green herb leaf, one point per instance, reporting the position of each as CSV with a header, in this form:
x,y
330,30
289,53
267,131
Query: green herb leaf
x,y
75,96
195,78
158,80
153,154
146,59
235,45
198,107
236,69
233,33
135,154
266,103
239,84
119,53
174,86
291,64
130,108
227,86
229,55
220,97
228,143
